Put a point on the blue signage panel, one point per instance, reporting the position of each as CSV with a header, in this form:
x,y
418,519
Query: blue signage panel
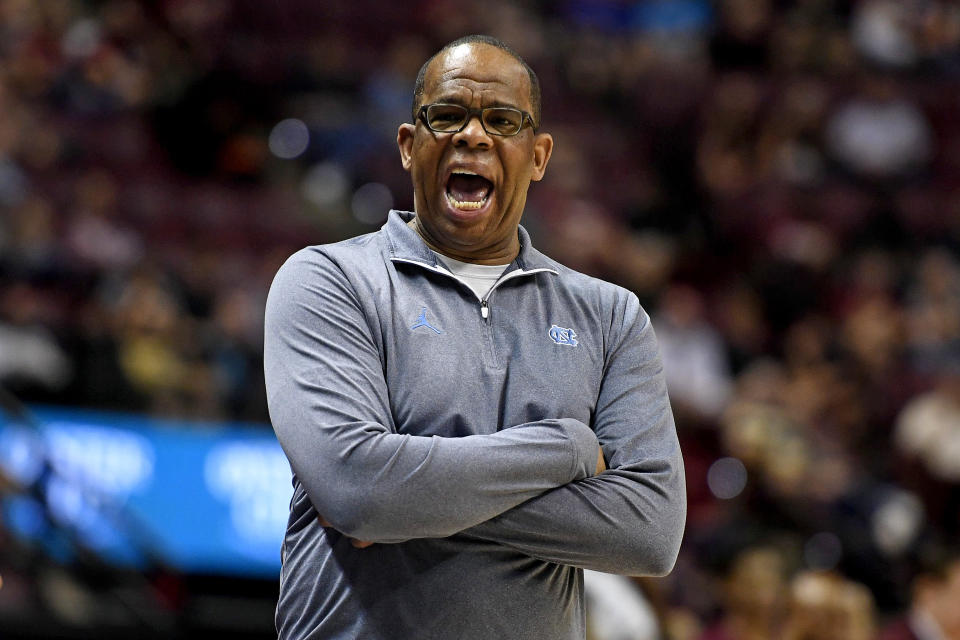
x,y
200,497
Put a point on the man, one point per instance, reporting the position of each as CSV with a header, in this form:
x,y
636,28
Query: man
x,y
442,390
934,612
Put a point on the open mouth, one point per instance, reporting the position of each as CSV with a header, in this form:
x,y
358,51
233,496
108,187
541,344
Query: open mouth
x,y
468,191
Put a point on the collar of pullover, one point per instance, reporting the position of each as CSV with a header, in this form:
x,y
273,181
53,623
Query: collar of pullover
x,y
406,245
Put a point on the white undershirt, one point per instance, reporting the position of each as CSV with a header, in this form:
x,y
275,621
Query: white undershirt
x,y
479,277
924,626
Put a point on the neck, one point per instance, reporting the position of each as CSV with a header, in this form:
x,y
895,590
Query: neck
x,y
493,256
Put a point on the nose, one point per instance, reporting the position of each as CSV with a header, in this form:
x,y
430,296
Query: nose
x,y
473,134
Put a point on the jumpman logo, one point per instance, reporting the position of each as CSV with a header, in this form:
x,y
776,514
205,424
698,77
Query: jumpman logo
x,y
422,322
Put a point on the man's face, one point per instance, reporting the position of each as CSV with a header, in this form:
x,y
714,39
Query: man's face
x,y
941,601
468,218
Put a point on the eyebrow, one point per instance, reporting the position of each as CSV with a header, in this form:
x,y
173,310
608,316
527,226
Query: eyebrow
x,y
453,100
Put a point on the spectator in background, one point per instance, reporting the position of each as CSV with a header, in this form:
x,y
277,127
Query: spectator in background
x,y
159,348
880,133
31,359
927,437
938,36
933,310
694,359
928,428
617,609
95,235
825,606
31,247
935,604
232,344
753,597
881,31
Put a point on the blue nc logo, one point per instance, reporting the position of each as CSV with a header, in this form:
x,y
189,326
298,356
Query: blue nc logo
x,y
563,336
422,322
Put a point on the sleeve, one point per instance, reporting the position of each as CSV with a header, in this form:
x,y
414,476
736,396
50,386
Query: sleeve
x,y
330,407
629,519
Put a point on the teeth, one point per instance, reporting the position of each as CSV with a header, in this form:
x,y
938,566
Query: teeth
x,y
464,172
466,204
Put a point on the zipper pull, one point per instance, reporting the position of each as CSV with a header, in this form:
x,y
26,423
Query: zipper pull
x,y
484,311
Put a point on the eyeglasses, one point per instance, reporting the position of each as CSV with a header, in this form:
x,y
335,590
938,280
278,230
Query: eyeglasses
x,y
452,118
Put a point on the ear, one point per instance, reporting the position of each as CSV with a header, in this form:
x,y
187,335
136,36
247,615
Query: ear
x,y
542,148
405,144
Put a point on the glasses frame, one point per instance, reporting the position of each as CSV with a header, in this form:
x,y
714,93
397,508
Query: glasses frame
x,y
525,119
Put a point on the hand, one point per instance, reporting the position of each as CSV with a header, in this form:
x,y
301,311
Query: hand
x,y
357,544
360,544
601,463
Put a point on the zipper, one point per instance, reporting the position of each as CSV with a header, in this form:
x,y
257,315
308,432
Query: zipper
x,y
484,305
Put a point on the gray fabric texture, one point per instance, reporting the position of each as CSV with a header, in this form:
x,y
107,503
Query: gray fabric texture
x,y
461,435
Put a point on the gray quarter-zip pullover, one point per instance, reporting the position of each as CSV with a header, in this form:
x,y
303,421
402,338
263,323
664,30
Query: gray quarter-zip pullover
x,y
461,435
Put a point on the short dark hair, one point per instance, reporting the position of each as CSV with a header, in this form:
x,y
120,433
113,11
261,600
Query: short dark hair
x,y
493,42
934,559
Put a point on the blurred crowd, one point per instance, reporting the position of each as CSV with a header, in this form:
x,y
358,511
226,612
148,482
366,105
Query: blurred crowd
x,y
779,182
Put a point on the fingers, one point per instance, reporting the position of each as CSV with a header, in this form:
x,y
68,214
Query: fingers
x,y
360,544
357,544
601,463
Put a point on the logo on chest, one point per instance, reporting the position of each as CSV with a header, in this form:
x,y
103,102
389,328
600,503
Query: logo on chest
x,y
561,335
423,322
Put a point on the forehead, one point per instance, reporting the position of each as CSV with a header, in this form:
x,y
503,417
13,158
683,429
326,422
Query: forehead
x,y
473,70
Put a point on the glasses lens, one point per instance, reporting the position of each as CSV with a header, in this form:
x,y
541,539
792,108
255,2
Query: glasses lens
x,y
445,117
502,121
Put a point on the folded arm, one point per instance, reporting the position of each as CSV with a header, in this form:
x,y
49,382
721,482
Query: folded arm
x,y
629,519
329,406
